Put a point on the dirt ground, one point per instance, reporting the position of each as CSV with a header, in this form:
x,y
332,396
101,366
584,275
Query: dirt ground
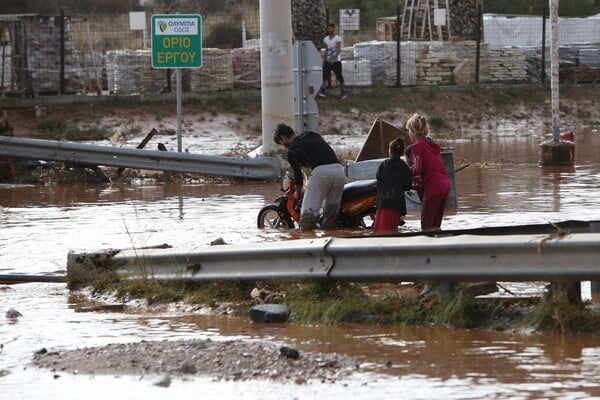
x,y
452,112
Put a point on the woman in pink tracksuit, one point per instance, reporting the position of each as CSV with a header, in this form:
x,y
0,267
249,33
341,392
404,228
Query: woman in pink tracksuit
x,y
429,173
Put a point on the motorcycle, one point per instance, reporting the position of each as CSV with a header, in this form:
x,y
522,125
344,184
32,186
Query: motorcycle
x,y
357,209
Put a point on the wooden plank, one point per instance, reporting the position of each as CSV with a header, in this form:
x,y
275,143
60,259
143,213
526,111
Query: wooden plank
x,y
141,145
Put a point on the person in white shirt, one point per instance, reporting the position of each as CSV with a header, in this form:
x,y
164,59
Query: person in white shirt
x,y
332,61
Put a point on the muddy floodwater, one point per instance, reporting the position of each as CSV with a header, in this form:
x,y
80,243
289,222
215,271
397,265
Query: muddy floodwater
x,y
502,185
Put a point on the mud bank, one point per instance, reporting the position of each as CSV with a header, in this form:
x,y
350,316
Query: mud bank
x,y
228,360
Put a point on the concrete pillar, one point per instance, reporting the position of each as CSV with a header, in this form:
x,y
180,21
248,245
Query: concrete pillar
x,y
555,151
554,66
276,59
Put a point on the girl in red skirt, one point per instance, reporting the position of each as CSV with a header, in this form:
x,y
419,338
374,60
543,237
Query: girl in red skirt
x,y
393,179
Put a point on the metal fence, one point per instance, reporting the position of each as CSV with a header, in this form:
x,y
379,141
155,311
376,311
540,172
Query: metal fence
x,y
46,55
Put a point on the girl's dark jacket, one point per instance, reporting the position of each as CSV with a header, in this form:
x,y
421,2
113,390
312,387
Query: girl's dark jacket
x,y
393,179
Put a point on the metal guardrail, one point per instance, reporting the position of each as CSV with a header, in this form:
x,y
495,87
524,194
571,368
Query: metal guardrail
x,y
510,258
22,278
260,168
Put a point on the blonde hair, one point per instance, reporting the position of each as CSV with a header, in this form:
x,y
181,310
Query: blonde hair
x,y
417,124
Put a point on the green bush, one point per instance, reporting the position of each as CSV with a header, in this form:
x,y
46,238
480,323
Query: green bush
x,y
52,127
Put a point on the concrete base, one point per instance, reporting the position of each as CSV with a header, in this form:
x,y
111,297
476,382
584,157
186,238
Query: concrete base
x,y
557,153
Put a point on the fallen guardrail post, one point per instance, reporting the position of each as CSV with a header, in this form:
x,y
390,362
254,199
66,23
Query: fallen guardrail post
x,y
259,168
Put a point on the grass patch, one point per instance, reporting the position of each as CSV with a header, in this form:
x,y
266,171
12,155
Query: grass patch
x,y
96,271
346,302
167,132
438,122
95,132
93,271
325,303
54,128
563,316
160,292
343,302
133,130
332,130
211,292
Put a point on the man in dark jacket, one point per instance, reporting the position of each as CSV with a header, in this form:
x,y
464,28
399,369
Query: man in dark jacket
x,y
327,178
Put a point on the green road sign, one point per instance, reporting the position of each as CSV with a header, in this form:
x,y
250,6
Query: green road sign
x,y
176,41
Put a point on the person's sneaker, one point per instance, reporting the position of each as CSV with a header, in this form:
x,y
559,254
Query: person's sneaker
x,y
343,95
321,92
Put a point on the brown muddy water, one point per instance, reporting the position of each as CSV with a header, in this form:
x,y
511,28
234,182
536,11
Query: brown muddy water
x,y
503,185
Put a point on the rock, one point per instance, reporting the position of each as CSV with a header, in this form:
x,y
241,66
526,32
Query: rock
x,y
217,242
188,368
258,294
269,313
164,381
262,295
289,352
13,314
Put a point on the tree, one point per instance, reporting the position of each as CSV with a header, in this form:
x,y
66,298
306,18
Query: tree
x,y
70,6
570,8
371,10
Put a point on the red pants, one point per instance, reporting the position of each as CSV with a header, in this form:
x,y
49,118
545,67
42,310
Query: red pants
x,y
433,206
387,220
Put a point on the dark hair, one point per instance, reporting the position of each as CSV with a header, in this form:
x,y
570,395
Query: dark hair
x,y
408,151
396,147
331,24
282,130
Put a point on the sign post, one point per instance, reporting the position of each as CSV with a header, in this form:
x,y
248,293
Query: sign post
x,y
177,44
349,21
137,22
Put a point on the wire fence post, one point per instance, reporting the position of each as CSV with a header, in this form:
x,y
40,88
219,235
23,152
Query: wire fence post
x,y
478,47
398,46
543,72
61,78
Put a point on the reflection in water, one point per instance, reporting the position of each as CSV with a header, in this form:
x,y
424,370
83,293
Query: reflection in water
x,y
504,185
556,176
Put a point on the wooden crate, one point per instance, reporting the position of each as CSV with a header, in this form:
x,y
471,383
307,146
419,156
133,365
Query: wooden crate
x,y
386,28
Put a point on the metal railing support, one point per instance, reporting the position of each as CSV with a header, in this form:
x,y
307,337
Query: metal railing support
x,y
595,285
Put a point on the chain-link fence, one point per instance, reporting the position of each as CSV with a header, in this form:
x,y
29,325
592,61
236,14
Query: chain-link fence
x,y
441,43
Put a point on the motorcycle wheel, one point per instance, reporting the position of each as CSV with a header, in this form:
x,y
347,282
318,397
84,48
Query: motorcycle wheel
x,y
366,221
268,217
